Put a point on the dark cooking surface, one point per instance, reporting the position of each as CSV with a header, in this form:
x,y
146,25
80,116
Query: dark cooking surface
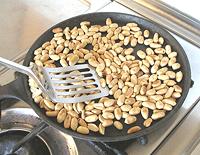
x,y
35,147
20,87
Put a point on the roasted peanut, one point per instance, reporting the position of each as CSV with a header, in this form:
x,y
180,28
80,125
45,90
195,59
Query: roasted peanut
x,y
130,119
147,122
158,115
93,127
133,129
118,125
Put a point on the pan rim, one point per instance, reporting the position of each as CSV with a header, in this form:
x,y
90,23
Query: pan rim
x,y
103,138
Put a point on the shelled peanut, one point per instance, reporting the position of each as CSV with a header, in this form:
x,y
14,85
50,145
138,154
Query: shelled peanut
x,y
140,81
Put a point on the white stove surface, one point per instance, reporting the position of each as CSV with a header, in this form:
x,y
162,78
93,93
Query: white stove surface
x,y
190,7
183,140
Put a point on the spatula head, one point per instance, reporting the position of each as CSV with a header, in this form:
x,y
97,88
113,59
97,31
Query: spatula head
x,y
73,84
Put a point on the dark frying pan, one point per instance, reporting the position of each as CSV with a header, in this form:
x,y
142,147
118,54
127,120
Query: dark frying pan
x,y
19,88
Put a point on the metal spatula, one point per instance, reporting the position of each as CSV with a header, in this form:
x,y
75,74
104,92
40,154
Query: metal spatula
x,y
70,84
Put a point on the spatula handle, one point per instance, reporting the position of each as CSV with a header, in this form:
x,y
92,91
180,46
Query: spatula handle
x,y
22,69
15,66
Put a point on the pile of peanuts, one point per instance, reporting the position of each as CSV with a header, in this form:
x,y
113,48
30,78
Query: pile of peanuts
x,y
145,84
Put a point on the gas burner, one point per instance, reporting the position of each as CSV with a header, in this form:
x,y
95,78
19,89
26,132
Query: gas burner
x,y
9,138
16,123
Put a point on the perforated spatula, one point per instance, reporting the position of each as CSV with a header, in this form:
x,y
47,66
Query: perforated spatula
x,y
70,84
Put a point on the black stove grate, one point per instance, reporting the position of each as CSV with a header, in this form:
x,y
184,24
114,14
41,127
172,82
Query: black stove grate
x,y
10,138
